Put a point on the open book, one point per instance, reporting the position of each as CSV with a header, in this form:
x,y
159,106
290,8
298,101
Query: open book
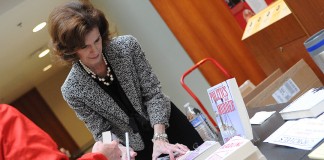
x,y
231,114
310,104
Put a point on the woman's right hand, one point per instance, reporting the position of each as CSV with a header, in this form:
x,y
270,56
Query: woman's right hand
x,y
163,147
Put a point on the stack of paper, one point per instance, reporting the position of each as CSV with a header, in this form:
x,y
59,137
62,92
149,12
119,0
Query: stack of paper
x,y
301,134
261,116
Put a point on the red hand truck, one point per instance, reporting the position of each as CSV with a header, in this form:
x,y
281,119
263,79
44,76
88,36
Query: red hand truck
x,y
222,69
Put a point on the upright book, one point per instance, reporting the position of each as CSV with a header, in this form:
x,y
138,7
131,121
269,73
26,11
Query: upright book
x,y
231,114
308,105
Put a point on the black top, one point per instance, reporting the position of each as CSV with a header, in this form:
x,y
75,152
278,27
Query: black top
x,y
117,93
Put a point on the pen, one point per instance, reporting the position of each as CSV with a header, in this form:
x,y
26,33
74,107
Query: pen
x,y
127,146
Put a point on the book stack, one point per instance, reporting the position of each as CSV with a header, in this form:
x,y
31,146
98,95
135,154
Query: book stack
x,y
236,148
308,105
202,152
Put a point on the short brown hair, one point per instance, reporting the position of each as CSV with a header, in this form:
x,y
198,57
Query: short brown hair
x,y
70,23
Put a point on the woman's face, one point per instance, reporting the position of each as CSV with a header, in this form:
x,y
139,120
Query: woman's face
x,y
90,53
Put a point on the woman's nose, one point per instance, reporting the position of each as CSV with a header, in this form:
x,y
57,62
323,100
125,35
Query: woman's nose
x,y
94,49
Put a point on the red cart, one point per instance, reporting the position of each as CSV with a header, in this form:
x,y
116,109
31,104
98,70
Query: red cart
x,y
222,69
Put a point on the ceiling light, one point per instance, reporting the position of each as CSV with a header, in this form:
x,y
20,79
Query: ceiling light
x,y
47,67
44,53
39,27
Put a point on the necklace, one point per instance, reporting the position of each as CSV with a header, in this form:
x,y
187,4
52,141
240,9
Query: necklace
x,y
105,80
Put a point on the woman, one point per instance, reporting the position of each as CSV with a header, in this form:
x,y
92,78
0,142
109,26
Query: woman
x,y
111,85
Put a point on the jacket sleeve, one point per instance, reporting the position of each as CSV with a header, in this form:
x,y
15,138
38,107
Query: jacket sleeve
x,y
158,104
93,120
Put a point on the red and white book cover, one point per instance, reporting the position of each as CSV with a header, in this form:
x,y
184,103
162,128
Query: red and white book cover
x,y
236,148
230,110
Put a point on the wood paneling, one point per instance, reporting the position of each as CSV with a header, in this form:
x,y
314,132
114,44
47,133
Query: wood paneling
x,y
208,29
281,44
33,106
310,14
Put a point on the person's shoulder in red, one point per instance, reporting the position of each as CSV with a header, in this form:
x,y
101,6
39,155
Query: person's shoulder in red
x,y
20,138
93,156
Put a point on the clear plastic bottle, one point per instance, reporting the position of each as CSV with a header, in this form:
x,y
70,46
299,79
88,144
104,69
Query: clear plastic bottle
x,y
198,120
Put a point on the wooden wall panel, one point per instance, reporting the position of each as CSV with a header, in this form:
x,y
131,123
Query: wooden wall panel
x,y
281,44
309,13
33,106
208,29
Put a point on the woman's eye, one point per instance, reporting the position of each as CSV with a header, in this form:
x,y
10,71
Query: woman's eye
x,y
85,46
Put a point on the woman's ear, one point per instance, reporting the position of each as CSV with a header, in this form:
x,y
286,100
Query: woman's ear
x,y
69,56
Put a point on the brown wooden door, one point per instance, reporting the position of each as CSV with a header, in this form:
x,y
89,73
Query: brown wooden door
x,y
33,106
206,28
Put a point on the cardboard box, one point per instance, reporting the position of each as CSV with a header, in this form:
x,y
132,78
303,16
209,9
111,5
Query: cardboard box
x,y
261,86
246,88
286,88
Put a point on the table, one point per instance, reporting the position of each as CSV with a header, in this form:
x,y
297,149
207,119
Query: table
x,y
263,131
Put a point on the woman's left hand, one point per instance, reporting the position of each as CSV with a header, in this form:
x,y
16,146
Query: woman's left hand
x,y
124,153
163,147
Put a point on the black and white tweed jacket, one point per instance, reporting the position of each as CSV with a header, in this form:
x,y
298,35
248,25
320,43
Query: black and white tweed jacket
x,y
99,111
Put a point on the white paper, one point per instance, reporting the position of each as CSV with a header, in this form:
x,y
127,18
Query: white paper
x,y
106,137
261,116
286,92
301,134
321,117
257,5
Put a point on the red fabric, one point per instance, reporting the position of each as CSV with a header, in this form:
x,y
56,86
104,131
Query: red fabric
x,y
21,139
93,156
